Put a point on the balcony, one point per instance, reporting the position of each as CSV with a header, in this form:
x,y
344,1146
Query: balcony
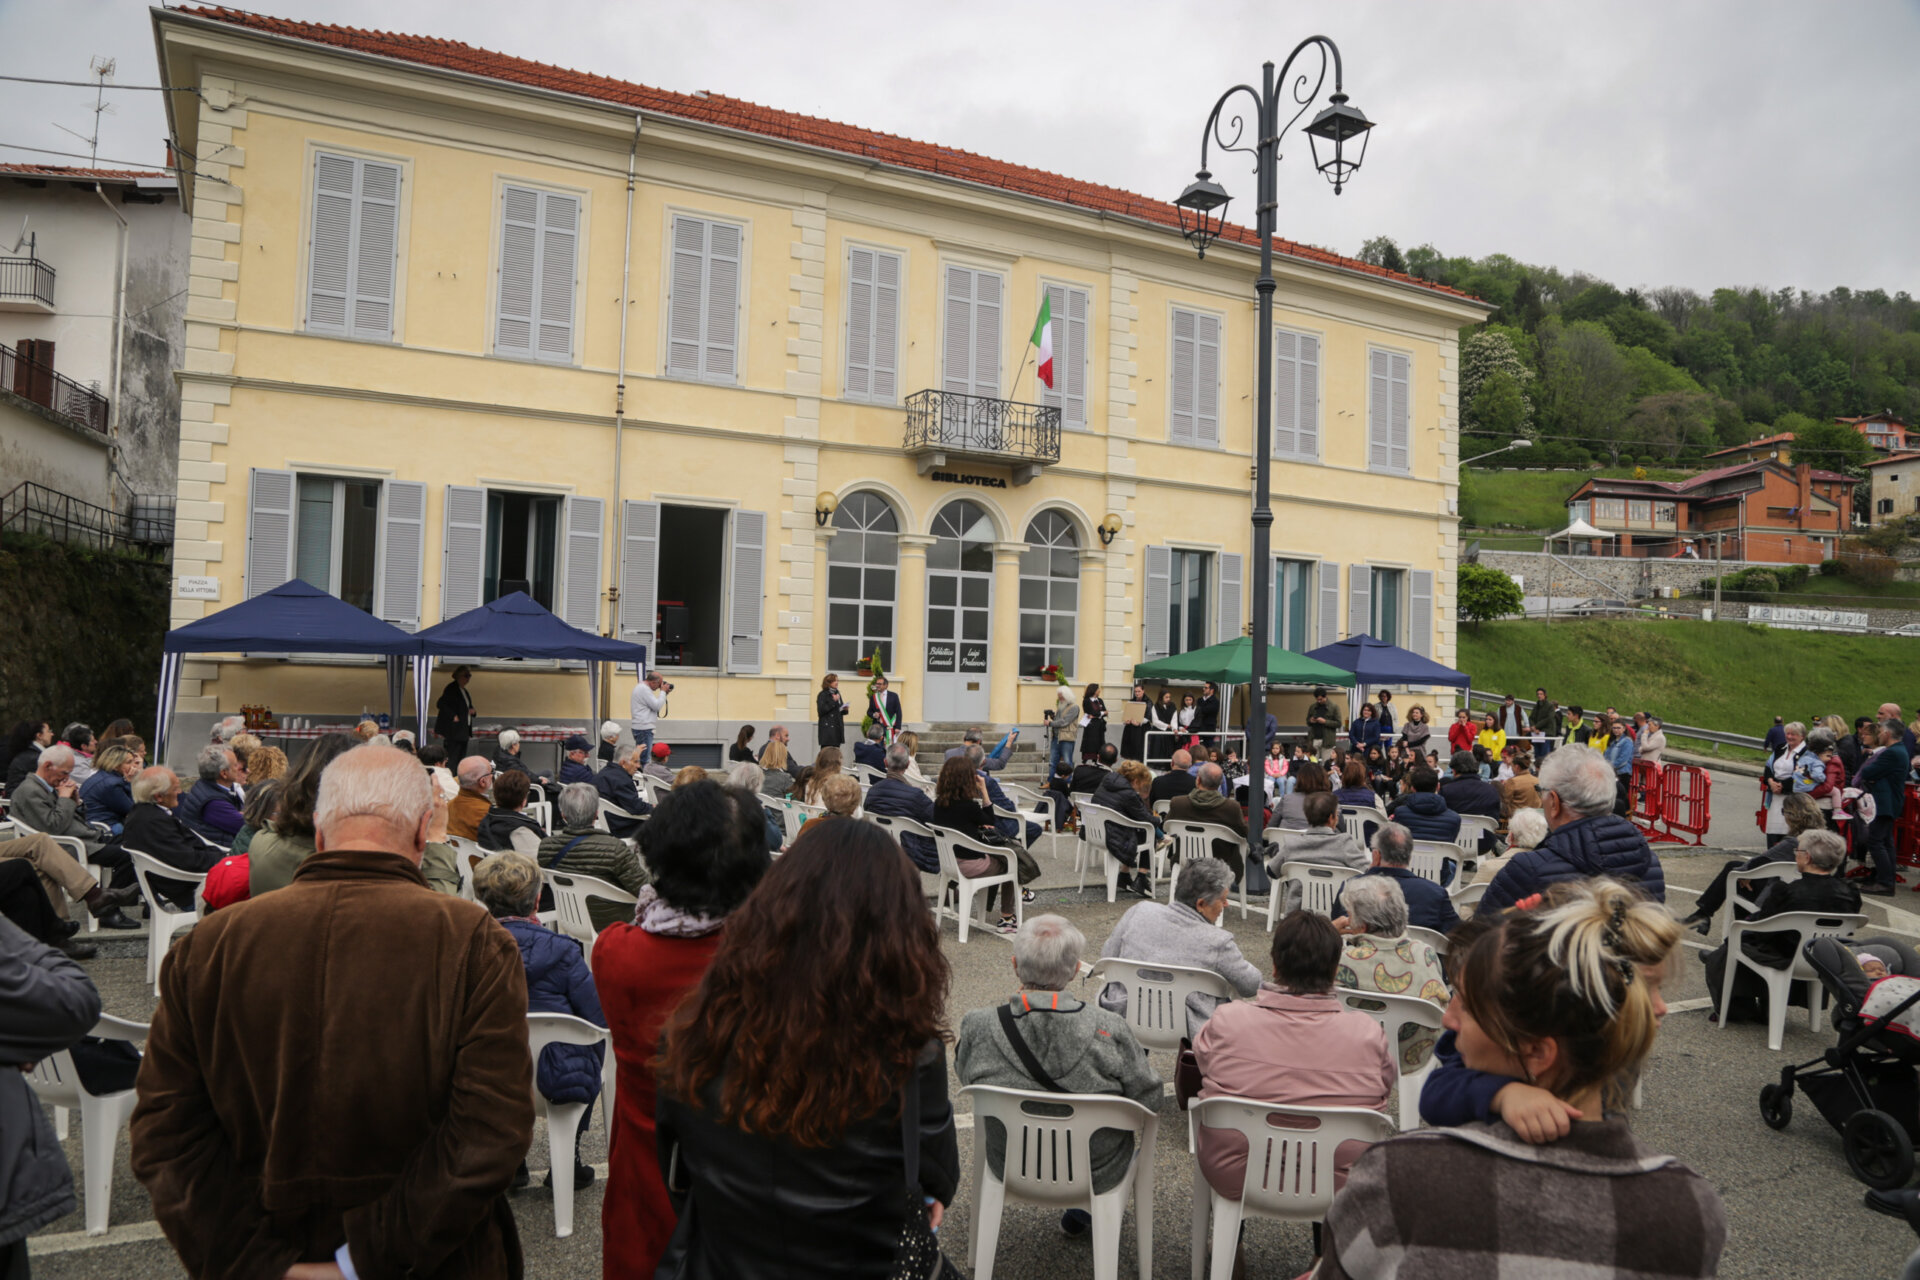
x,y
26,284
945,426
31,380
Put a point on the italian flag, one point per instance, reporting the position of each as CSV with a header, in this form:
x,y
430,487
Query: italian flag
x,y
1043,339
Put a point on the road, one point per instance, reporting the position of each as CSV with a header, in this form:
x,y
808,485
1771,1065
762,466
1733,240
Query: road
x,y
1792,1208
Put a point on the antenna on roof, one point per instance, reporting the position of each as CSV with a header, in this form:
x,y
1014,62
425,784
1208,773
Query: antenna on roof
x,y
102,69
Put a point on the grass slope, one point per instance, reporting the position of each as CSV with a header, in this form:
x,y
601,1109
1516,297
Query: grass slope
x,y
1529,499
1719,675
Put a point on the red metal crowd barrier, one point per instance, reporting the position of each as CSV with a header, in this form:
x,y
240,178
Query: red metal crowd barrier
x,y
1643,793
1906,832
1682,809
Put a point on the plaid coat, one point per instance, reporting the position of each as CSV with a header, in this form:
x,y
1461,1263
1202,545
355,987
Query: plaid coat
x,y
1477,1201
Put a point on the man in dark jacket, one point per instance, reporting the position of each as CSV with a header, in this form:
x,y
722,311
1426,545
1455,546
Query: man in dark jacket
x,y
1467,792
1323,723
273,1127
575,767
1884,777
1776,736
50,1004
1544,722
615,785
1428,904
453,714
1587,839
1818,855
1177,781
1422,811
872,750
1087,775
894,797
154,828
1206,712
1204,803
211,810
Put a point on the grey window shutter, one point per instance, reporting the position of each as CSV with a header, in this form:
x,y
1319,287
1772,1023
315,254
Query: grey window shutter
x,y
1159,587
403,544
1308,422
376,242
1180,425
1399,407
1206,380
986,334
956,373
1379,405
519,263
684,298
580,608
719,359
1229,603
463,550
1329,606
860,268
1420,613
1359,599
559,236
749,591
332,248
1055,396
1068,394
886,327
1286,393
639,572
270,499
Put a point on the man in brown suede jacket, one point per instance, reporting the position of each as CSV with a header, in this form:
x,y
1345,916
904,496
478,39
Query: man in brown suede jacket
x,y
337,1081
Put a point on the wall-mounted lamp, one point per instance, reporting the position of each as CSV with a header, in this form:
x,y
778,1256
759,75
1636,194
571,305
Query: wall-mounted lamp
x,y
1108,527
823,508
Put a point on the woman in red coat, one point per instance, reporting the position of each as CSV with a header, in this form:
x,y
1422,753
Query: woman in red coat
x,y
706,847
1462,733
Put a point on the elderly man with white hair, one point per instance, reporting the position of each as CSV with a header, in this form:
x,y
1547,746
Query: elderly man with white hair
x,y
506,759
154,827
1079,1048
1586,838
470,807
616,786
1182,932
211,809
1428,903
48,800
273,1131
226,730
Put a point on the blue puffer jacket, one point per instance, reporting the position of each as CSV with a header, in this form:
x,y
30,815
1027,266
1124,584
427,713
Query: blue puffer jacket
x,y
1425,816
1605,845
558,981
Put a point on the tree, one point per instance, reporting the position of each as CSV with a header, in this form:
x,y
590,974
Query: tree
x,y
1672,423
1829,446
1485,356
1586,385
1501,410
1486,594
1381,251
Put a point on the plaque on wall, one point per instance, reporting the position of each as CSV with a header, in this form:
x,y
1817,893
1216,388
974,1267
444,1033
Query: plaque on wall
x,y
940,655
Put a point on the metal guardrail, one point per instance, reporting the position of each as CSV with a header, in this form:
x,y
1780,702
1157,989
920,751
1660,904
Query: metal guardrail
x,y
31,380
36,509
26,280
1009,430
1714,736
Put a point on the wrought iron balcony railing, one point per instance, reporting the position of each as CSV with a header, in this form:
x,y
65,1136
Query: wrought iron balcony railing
x,y
943,424
37,382
27,281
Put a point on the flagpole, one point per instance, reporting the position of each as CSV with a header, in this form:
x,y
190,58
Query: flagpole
x,y
1023,368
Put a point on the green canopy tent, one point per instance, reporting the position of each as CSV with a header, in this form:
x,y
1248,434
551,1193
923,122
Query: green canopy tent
x,y
1231,662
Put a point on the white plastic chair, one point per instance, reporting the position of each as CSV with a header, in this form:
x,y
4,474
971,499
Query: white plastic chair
x,y
1094,821
951,844
541,811
1194,840
1430,859
1318,887
1290,1167
1392,1013
1805,926
167,919
1432,937
563,1118
864,774
570,894
797,813
1472,825
1466,899
932,883
1355,818
1157,996
1784,872
1048,1162
102,1116
1161,808
72,844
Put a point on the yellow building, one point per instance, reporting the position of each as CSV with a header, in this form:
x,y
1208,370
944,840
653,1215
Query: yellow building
x,y
751,388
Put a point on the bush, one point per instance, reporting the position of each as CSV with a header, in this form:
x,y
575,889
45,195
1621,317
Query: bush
x,y
1792,576
1833,568
1644,460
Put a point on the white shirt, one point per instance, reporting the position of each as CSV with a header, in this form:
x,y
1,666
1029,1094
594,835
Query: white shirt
x,y
648,707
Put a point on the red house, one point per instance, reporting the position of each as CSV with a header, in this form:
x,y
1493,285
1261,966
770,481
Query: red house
x,y
1886,433
1758,510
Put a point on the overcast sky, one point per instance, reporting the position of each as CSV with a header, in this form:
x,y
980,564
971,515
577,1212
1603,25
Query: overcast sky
x,y
1650,143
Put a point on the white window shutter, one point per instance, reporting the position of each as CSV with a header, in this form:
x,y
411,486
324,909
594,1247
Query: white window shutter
x,y
403,548
886,327
720,345
986,334
463,550
1229,602
376,244
1180,426
1068,394
270,500
1055,396
1329,606
1308,422
1420,613
559,238
1399,410
1156,604
331,252
1206,380
639,572
1379,406
1359,599
519,262
684,299
749,592
580,606
1286,393
956,372
860,269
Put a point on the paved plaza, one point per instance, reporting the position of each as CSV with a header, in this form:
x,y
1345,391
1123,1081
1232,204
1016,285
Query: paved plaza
x,y
1792,1208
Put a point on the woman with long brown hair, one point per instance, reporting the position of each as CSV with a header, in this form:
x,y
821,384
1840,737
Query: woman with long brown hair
x,y
790,1077
825,765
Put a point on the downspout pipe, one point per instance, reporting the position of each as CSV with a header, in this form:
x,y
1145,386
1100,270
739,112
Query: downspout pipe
x,y
620,421
119,346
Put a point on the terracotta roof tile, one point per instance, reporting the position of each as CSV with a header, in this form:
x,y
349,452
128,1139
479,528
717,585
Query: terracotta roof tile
x,y
1785,437
734,113
69,173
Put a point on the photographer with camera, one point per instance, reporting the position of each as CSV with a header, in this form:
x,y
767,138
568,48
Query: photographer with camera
x,y
649,707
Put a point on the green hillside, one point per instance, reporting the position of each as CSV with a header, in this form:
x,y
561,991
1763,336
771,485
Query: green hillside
x,y
1529,499
1723,676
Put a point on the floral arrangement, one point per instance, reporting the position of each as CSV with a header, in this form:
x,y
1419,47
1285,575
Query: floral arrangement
x,y
1052,672
870,667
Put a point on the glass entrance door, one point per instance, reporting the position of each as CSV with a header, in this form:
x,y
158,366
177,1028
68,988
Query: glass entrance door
x,y
959,614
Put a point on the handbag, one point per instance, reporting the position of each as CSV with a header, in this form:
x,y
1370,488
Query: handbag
x,y
917,1256
1186,1074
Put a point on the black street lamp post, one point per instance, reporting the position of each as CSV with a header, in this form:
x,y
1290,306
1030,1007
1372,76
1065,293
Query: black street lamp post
x,y
1203,209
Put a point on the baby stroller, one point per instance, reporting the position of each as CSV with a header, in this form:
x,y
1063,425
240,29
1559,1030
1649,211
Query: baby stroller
x,y
1865,1085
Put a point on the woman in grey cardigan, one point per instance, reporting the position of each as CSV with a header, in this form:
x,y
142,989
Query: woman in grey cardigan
x,y
1182,932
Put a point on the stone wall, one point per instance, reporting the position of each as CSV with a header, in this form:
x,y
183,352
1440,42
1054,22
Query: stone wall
x,y
1624,576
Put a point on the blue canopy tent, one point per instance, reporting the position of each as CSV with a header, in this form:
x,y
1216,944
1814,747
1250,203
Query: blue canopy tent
x,y
1375,663
294,617
516,626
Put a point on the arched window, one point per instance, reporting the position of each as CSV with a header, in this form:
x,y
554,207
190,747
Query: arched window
x,y
861,581
1049,595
